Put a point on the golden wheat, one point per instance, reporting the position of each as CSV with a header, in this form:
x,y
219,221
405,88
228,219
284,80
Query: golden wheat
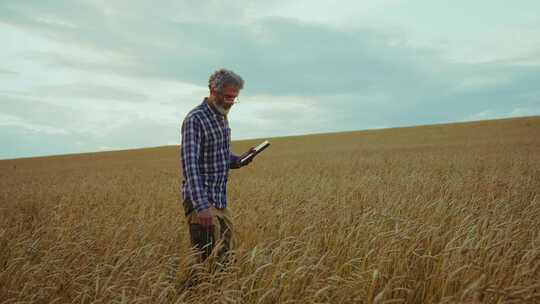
x,y
433,214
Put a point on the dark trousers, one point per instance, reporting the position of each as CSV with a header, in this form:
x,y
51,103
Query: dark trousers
x,y
217,241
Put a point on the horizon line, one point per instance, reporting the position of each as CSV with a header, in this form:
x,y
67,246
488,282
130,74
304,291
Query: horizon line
x,y
284,136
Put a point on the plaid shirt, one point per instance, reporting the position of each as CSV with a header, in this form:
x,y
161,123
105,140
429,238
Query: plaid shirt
x,y
206,157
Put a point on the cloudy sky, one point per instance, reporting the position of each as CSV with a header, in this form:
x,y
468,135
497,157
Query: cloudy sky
x,y
94,75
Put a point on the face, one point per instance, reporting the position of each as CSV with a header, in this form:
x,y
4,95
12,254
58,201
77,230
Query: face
x,y
226,98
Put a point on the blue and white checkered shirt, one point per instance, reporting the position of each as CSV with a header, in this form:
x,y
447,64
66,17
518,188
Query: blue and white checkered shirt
x,y
206,157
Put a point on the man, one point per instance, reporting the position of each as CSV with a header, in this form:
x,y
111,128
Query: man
x,y
206,160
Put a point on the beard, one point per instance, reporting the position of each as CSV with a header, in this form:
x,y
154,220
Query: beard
x,y
221,107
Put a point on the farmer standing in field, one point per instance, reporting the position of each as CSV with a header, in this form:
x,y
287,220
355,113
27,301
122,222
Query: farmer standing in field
x,y
206,160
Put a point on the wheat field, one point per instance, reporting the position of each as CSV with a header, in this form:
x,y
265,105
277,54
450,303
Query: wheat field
x,y
431,214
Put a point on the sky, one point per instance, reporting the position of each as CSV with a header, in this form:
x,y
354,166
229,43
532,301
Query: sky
x,y
94,75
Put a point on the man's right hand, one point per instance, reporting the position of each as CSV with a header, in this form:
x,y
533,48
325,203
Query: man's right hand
x,y
205,217
247,161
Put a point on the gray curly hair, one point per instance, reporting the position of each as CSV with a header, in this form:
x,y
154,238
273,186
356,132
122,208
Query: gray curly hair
x,y
223,77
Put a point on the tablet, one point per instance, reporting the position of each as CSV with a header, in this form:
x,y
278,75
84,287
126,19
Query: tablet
x,y
258,149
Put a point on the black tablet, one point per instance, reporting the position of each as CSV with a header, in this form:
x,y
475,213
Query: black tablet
x,y
258,149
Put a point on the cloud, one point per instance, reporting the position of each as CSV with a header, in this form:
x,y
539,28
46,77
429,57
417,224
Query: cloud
x,y
493,114
31,112
22,139
14,121
6,72
106,148
91,91
325,60
265,115
124,73
277,56
17,141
